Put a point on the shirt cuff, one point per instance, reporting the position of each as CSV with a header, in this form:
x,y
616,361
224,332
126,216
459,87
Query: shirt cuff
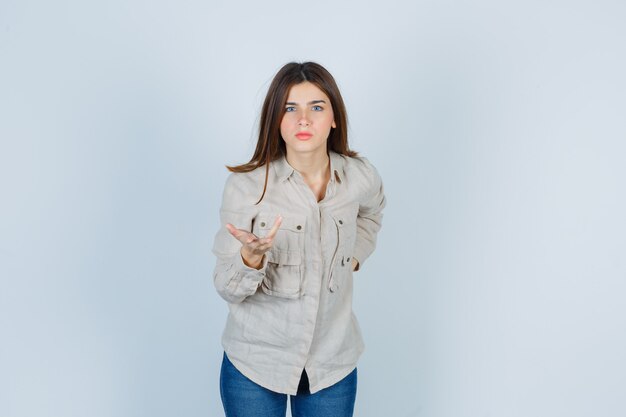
x,y
247,278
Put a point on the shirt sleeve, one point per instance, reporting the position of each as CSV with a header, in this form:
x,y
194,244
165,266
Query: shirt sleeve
x,y
233,279
369,218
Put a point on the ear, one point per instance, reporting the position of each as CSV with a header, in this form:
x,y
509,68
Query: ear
x,y
334,125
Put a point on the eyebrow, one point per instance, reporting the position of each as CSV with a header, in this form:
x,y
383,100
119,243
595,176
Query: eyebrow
x,y
291,103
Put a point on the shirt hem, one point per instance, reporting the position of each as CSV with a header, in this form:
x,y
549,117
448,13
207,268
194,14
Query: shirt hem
x,y
257,379
331,380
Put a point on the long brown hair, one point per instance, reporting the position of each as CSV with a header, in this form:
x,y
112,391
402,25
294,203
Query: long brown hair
x,y
270,145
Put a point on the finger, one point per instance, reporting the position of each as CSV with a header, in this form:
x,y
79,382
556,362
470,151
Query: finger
x,y
241,235
233,231
263,247
260,243
275,227
251,239
265,240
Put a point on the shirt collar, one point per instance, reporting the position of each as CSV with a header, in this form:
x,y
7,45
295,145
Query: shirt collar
x,y
284,170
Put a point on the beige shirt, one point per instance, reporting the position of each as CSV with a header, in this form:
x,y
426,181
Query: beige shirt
x,y
296,311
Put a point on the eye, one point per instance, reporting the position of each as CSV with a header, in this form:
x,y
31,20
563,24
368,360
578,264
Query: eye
x,y
317,108
290,109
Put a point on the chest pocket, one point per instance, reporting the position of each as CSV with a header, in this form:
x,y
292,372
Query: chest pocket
x,y
283,275
341,264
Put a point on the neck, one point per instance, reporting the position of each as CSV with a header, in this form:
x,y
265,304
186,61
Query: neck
x,y
311,165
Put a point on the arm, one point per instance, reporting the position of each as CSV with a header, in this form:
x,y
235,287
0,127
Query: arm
x,y
233,279
369,218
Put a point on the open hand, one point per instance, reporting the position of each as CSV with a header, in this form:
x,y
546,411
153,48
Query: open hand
x,y
253,247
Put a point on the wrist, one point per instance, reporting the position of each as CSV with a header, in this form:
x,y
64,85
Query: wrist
x,y
252,261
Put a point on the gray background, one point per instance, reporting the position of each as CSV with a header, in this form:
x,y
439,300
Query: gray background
x,y
498,127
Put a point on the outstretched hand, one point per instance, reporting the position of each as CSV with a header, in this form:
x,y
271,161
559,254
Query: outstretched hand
x,y
253,247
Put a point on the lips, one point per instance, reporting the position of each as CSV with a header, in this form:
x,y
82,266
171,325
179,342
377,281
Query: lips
x,y
303,135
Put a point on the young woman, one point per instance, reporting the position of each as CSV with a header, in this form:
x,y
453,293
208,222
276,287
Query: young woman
x,y
297,220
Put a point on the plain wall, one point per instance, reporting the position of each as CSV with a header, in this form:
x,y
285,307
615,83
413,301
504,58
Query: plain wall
x,y
497,288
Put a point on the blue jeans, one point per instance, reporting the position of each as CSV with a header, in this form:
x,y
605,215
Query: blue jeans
x,y
244,398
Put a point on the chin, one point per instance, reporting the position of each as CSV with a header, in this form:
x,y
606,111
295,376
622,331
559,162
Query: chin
x,y
305,146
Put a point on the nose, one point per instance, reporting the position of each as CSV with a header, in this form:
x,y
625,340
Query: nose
x,y
303,121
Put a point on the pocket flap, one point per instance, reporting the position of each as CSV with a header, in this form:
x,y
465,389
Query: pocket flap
x,y
294,223
283,257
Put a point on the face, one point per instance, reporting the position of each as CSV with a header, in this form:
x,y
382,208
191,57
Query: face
x,y
307,120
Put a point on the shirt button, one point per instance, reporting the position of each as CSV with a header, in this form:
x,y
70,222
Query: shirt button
x,y
262,224
348,259
340,221
299,227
